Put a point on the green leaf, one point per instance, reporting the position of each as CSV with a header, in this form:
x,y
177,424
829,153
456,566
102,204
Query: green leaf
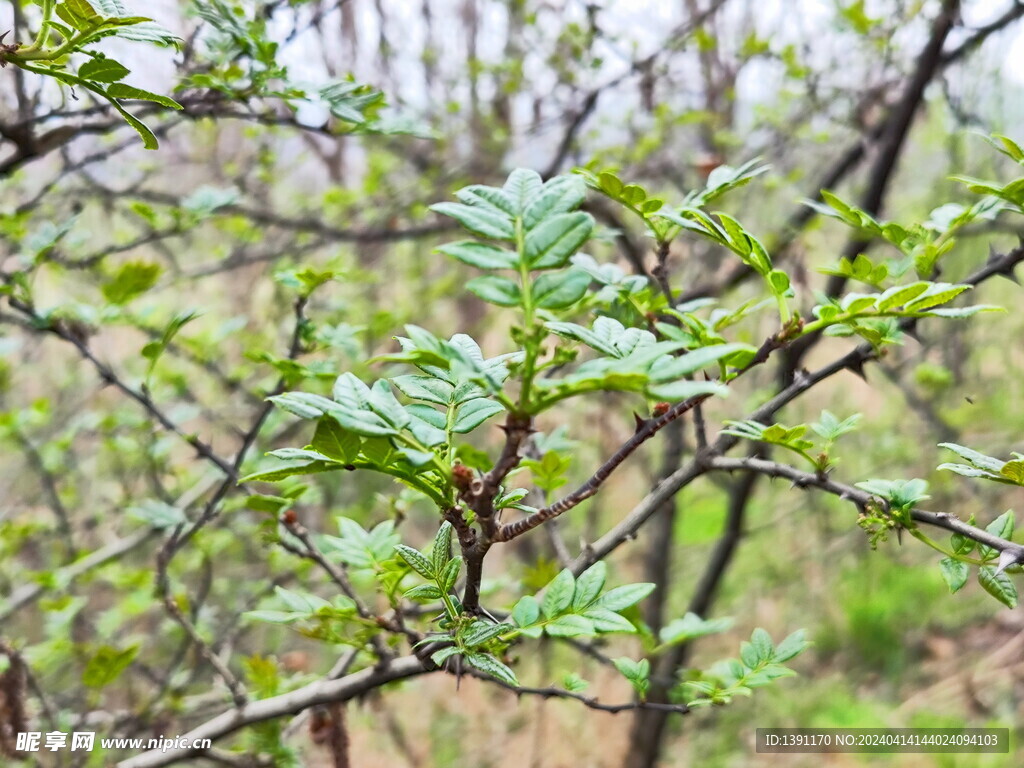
x,y
103,70
899,295
570,625
557,290
496,290
637,672
955,572
589,585
606,621
450,574
574,683
480,255
979,460
691,626
998,585
441,656
130,93
416,561
778,281
559,195
762,644
107,664
792,646
960,544
424,388
480,632
274,475
620,598
555,239
130,280
441,550
684,390
487,663
695,361
489,198
1002,527
305,405
78,13
478,221
474,413
423,593
526,611
558,594
521,187
335,442
149,140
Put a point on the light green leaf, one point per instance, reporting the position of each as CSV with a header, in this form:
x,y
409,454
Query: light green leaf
x,y
557,290
570,625
558,594
478,220
555,239
127,92
416,560
606,621
480,255
496,290
526,611
695,361
589,585
620,598
474,413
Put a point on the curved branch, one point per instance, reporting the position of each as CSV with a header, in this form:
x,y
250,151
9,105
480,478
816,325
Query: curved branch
x,y
320,692
861,498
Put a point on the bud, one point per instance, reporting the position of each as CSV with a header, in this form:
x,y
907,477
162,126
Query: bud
x,y
462,477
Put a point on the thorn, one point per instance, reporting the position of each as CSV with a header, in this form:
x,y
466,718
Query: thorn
x,y
1009,274
639,421
858,369
1007,558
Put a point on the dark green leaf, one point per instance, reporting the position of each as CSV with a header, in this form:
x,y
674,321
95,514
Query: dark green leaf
x,y
955,572
998,585
103,70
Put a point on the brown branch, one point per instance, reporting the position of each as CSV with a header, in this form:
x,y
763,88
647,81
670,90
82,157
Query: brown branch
x,y
587,701
339,576
854,361
108,375
896,129
645,430
863,499
319,692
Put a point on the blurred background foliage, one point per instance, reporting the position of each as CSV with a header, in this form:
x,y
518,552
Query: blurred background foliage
x,y
181,269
